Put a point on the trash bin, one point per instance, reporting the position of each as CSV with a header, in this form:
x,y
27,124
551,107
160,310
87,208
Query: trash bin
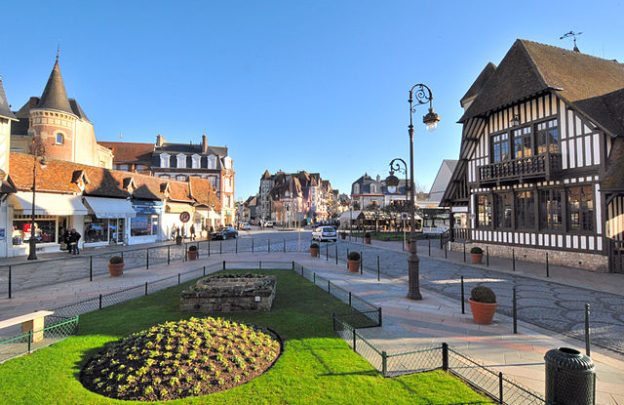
x,y
570,378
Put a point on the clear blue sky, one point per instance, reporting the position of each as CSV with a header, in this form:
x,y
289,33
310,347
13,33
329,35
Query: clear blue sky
x,y
314,85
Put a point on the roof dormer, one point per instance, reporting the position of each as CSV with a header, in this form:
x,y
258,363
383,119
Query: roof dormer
x,y
129,184
79,177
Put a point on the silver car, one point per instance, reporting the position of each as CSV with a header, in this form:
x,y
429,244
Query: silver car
x,y
323,233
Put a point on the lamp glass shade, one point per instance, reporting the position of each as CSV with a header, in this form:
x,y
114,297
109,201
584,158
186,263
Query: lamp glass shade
x,y
431,120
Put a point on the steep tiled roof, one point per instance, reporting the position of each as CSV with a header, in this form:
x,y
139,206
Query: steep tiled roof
x,y
530,68
130,152
54,96
203,192
179,191
476,87
5,110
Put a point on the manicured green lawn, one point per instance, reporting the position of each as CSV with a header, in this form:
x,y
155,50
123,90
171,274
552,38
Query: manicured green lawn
x,y
316,366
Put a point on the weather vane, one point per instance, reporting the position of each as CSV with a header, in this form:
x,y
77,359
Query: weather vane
x,y
572,35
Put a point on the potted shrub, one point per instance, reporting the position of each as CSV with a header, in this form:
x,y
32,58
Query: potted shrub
x,y
482,304
192,253
353,262
367,238
116,266
476,254
343,235
315,250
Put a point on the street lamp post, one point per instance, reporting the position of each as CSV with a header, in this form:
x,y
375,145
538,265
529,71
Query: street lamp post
x,y
419,94
38,151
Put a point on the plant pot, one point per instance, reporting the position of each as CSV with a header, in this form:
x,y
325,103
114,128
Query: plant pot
x,y
367,240
354,266
482,312
476,258
116,269
192,254
315,252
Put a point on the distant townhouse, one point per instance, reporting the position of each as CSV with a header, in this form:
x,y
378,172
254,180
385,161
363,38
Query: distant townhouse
x,y
371,193
180,161
542,158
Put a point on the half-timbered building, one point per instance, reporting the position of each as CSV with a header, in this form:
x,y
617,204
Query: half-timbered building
x,y
541,166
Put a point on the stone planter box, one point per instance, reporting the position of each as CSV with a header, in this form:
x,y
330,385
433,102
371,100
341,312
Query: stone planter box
x,y
230,293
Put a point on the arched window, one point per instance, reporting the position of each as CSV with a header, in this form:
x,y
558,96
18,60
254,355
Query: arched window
x,y
60,139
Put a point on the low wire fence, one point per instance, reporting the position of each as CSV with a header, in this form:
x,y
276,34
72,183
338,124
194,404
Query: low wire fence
x,y
56,328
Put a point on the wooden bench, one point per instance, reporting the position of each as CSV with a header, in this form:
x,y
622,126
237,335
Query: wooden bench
x,y
33,322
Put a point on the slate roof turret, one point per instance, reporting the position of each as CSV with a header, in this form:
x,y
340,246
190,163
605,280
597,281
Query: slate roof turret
x,y
5,110
54,96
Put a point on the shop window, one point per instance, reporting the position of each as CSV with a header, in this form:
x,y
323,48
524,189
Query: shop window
x,y
96,229
484,211
551,210
144,225
502,210
581,209
525,210
45,229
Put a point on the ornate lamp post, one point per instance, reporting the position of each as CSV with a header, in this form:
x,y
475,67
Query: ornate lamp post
x,y
37,148
392,181
419,94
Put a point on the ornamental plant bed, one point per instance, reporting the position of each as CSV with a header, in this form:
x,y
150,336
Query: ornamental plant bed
x,y
180,359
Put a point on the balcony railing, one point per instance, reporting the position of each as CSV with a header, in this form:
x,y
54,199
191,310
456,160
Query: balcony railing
x,y
538,166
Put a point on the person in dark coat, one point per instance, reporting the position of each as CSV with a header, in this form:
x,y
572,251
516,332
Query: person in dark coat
x,y
65,239
74,238
192,231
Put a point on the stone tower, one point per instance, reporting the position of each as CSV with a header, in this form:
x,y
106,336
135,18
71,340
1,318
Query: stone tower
x,y
54,120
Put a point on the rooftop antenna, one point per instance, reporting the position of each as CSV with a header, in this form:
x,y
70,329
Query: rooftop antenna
x,y
572,35
58,51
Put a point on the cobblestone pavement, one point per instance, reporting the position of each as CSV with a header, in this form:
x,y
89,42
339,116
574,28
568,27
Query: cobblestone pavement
x,y
550,305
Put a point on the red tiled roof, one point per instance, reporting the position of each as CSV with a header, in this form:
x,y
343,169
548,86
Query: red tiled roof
x,y
130,152
203,192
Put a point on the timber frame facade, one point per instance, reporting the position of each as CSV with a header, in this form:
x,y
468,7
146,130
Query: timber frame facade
x,y
541,158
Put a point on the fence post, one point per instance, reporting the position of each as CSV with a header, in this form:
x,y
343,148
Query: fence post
x,y
547,266
361,262
314,278
500,388
587,332
168,255
446,247
284,245
260,264
487,256
185,252
204,271
329,286
122,255
220,247
429,239
224,265
379,316
347,264
354,340
292,266
236,251
269,246
146,288
178,278
301,271
100,303
384,363
326,253
336,245
209,249
378,270
147,258
464,251
513,259
349,298
30,333
10,280
90,268
463,296
445,356
514,312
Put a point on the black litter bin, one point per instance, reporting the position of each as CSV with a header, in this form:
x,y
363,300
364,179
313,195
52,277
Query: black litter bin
x,y
570,378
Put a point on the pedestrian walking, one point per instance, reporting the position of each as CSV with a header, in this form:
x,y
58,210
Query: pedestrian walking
x,y
74,238
65,240
192,232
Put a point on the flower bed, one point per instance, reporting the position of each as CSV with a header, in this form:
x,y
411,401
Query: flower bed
x,y
180,359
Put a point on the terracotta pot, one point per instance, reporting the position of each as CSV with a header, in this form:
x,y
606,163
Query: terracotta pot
x,y
482,313
192,254
354,266
314,252
476,258
367,240
115,270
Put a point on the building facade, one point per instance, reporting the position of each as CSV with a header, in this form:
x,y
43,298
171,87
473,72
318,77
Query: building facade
x,y
541,147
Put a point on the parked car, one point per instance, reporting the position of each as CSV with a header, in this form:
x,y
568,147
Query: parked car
x,y
268,224
246,226
225,233
325,233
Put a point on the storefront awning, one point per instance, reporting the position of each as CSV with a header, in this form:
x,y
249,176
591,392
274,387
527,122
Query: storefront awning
x,y
48,204
110,207
177,208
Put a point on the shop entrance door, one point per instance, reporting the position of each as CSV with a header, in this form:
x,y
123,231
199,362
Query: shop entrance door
x,y
116,230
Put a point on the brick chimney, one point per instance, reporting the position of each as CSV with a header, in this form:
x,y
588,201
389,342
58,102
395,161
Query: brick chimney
x,y
160,140
204,144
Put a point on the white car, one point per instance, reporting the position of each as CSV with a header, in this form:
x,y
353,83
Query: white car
x,y
246,226
325,233
268,224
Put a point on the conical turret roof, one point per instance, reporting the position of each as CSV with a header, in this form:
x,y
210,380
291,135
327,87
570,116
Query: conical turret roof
x,y
54,96
5,110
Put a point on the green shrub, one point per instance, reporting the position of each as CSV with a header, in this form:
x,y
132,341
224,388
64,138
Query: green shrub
x,y
483,294
353,256
476,250
116,260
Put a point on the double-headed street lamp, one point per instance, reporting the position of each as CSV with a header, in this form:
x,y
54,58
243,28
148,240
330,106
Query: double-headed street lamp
x,y
419,94
37,148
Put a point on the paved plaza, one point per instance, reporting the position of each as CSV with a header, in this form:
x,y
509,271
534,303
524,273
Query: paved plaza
x,y
551,313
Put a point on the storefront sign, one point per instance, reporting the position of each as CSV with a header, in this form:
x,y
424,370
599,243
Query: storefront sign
x,y
185,216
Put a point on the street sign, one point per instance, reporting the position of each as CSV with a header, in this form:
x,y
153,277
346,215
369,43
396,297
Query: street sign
x,y
405,216
185,216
